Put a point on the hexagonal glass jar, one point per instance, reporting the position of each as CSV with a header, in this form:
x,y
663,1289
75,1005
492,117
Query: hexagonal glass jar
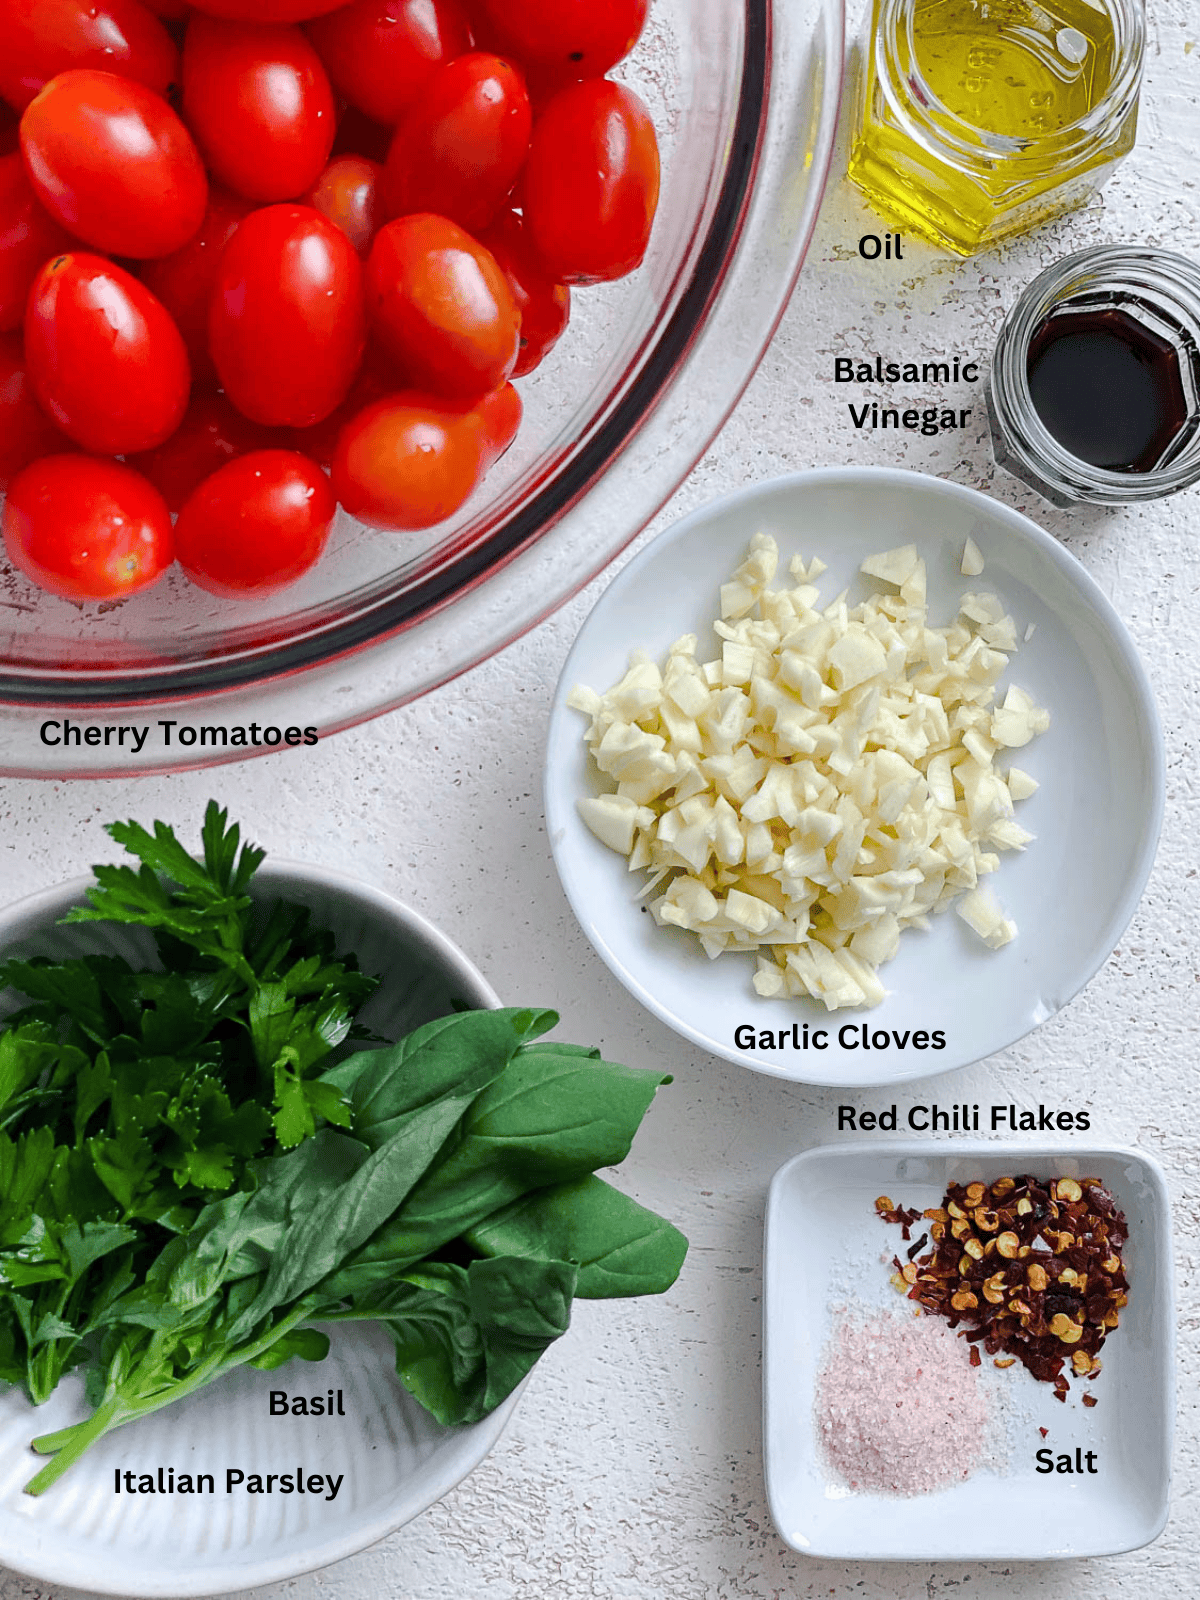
x,y
1157,290
982,118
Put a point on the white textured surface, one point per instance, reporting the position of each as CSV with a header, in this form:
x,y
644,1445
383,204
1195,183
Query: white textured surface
x,y
633,1470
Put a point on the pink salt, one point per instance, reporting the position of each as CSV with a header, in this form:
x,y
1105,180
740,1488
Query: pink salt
x,y
899,1408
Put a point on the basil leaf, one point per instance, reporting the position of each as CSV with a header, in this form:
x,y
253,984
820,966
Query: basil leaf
x,y
620,1247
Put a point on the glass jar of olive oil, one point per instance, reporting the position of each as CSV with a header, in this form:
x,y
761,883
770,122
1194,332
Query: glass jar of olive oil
x,y
982,118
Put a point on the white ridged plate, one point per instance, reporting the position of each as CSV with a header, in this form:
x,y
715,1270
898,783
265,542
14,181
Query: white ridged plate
x,y
1095,818
396,1460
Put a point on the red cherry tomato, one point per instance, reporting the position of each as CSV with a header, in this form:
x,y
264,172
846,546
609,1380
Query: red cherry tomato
x,y
258,100
442,307
113,163
41,38
409,461
26,432
286,325
462,143
545,306
184,281
499,415
171,10
104,358
591,183
266,10
211,435
87,529
347,192
380,53
563,40
256,525
29,236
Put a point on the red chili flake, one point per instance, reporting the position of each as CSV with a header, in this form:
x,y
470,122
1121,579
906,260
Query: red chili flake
x,y
1033,1267
1090,1400
1045,1432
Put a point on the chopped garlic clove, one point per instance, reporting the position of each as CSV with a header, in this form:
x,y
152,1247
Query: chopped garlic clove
x,y
971,564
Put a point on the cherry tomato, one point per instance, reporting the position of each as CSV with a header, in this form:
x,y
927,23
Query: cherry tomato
x,y
184,281
380,53
112,162
409,461
545,306
563,40
29,236
104,358
462,143
266,10
499,415
256,525
347,192
87,529
41,38
211,435
591,183
259,102
170,10
442,307
26,432
286,325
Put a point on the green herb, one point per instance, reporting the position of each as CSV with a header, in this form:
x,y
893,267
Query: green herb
x,y
128,1099
148,1233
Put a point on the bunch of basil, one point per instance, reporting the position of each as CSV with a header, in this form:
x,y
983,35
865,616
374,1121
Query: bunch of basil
x,y
152,1232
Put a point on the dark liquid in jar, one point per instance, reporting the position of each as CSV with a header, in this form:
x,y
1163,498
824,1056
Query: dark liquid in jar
x,y
1108,388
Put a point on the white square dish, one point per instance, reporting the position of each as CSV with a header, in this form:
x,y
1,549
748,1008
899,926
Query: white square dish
x,y
820,1222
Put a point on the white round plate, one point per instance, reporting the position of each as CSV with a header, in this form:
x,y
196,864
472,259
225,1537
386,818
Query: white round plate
x,y
393,1458
1096,816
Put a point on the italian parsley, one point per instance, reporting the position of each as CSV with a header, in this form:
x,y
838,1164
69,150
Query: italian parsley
x,y
193,1174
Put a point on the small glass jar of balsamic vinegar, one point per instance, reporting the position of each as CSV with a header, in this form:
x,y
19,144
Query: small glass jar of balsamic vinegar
x,y
981,118
1094,392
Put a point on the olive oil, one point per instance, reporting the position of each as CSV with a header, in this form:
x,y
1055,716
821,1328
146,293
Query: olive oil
x,y
981,118
1014,69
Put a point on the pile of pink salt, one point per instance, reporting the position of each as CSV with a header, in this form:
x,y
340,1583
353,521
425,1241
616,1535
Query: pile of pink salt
x,y
899,1408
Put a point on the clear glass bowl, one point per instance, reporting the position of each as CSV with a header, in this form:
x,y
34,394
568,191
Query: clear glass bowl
x,y
745,98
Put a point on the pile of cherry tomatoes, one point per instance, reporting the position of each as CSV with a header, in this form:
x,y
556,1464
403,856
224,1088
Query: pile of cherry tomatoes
x,y
259,257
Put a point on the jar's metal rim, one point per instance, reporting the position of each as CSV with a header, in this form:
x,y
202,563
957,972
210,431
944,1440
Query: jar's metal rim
x,y
1027,435
930,118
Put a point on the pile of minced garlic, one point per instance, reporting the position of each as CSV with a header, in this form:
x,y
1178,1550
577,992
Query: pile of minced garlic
x,y
829,780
